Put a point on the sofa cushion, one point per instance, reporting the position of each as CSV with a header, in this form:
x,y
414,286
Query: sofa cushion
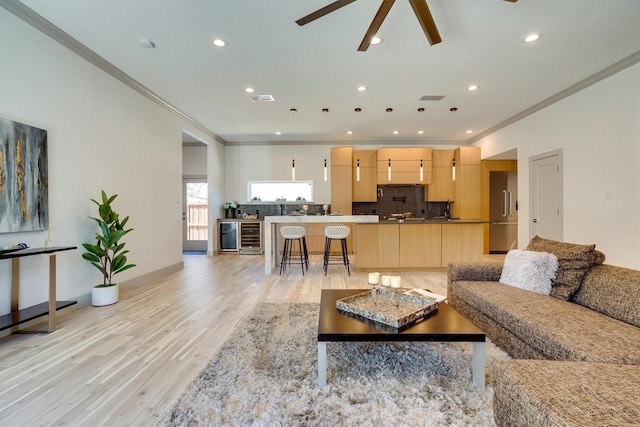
x,y
549,393
559,330
610,290
529,270
573,262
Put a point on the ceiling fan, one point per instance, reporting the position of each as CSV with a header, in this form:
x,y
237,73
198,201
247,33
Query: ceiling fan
x,y
420,8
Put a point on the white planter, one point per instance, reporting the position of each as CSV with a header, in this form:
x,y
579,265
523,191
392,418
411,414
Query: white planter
x,y
105,296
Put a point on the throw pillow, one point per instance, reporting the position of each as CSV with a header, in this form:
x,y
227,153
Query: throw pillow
x,y
529,270
573,262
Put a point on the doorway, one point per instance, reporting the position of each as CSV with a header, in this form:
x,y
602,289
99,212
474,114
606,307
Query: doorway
x,y
546,196
195,215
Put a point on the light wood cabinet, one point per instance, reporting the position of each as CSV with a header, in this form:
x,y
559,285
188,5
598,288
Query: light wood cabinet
x,y
341,190
441,188
413,246
366,242
462,243
468,184
420,245
365,188
405,165
388,246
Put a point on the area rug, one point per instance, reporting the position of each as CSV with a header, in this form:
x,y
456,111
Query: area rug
x,y
265,375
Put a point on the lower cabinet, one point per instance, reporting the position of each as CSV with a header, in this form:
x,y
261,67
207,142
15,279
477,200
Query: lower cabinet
x,y
411,246
420,245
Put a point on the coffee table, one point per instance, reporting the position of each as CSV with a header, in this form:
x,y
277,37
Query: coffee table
x,y
443,325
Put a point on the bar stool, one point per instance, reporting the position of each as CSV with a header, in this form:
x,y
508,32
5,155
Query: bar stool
x,y
292,233
331,233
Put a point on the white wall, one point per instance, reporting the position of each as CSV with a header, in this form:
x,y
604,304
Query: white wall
x,y
598,130
101,135
273,163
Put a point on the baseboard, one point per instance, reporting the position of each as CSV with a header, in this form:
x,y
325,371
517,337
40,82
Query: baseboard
x,y
144,279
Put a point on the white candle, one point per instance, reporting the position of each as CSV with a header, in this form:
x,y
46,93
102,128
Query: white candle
x,y
374,278
386,281
395,281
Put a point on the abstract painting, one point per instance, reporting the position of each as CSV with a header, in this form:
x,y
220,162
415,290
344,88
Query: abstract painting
x,y
24,185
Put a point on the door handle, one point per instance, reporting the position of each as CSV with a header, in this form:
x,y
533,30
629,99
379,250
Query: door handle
x,y
504,203
535,219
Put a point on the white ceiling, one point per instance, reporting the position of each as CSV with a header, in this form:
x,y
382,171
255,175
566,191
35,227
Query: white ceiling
x,y
318,66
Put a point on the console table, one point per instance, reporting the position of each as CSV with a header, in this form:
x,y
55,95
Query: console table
x,y
17,315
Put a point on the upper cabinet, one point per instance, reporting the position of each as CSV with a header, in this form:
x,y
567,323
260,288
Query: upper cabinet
x,y
364,175
341,191
441,188
404,166
468,184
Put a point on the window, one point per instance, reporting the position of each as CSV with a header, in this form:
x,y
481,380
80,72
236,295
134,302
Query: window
x,y
280,191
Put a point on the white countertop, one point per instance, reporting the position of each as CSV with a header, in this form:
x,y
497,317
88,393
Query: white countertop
x,y
320,218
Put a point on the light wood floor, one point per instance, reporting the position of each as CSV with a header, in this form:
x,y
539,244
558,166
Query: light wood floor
x,y
127,363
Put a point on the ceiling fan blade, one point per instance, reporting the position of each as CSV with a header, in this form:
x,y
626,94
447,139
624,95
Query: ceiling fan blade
x,y
423,14
512,1
323,11
375,24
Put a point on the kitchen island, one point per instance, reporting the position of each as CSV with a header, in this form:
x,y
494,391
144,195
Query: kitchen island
x,y
272,226
418,244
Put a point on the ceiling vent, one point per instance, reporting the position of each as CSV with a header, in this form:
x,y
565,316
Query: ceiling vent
x,y
431,97
262,98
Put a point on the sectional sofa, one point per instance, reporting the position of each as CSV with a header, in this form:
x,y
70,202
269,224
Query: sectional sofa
x,y
576,350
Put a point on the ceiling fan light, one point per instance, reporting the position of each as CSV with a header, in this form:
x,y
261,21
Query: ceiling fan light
x,y
532,37
376,40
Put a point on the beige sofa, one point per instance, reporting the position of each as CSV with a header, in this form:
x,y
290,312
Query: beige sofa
x,y
580,345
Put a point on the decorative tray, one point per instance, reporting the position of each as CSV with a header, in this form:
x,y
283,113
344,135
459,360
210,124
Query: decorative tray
x,y
401,311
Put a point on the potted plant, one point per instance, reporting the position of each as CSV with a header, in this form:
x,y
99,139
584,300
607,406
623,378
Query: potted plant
x,y
107,254
230,208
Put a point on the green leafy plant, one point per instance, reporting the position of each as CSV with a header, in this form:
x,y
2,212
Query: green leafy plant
x,y
108,254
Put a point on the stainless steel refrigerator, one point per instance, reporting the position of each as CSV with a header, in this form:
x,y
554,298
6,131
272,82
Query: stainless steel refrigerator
x,y
503,212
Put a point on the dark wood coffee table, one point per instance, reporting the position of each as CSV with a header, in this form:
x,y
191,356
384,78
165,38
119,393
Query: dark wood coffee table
x,y
443,325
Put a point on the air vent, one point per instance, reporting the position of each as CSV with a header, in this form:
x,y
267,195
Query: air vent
x,y
431,97
262,98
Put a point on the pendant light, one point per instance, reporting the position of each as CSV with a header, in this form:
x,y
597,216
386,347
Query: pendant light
x,y
293,128
453,163
325,169
325,111
357,110
389,110
421,110
453,169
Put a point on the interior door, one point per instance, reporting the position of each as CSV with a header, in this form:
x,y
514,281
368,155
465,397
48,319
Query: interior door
x,y
546,196
195,215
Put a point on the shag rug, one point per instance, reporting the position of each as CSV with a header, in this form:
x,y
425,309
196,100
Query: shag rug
x,y
265,375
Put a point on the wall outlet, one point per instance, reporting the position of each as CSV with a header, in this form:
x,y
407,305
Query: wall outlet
x,y
608,194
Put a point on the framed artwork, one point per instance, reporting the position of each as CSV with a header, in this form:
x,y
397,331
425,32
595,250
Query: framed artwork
x,y
24,185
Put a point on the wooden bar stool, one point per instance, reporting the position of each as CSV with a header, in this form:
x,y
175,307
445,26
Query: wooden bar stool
x,y
331,233
292,233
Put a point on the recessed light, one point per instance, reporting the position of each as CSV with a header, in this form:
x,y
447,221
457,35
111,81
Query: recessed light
x,y
420,132
147,44
349,132
362,88
532,37
278,133
249,90
376,40
395,132
219,42
469,131
472,88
